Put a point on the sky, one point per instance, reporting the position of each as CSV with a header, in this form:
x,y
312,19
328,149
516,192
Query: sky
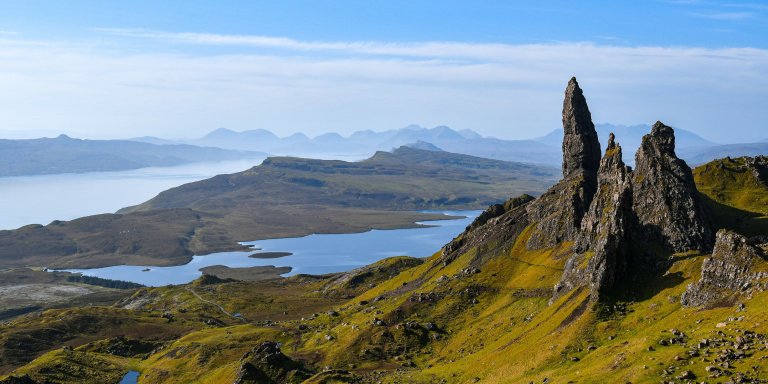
x,y
179,69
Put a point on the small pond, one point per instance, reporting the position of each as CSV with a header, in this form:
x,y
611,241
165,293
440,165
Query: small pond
x,y
132,377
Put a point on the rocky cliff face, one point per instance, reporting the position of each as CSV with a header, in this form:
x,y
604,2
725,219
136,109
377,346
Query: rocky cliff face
x,y
600,255
559,211
499,223
734,270
665,198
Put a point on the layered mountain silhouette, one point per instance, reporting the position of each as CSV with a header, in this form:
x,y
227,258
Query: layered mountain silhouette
x,y
542,150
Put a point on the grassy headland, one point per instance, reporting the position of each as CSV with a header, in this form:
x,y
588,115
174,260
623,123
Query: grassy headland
x,y
283,197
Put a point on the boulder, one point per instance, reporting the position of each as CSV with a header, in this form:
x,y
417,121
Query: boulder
x,y
731,271
266,364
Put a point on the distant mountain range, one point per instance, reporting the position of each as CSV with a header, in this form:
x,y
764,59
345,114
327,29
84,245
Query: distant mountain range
x,y
363,143
542,150
64,154
68,155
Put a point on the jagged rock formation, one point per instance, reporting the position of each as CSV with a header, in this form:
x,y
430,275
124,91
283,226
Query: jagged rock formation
x,y
600,255
581,148
559,211
729,273
606,208
497,210
499,222
665,198
266,364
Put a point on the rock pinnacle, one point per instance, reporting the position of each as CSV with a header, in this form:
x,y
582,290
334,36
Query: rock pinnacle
x,y
581,147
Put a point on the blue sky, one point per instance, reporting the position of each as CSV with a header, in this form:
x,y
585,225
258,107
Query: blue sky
x,y
182,68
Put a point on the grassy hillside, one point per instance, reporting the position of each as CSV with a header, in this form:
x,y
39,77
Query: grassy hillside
x,y
283,197
479,312
737,197
404,179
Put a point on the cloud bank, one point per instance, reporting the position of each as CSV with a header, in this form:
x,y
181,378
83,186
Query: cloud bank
x,y
191,83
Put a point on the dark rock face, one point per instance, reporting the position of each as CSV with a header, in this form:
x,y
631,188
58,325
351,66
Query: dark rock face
x,y
266,364
665,198
559,211
500,222
729,273
758,165
600,252
581,148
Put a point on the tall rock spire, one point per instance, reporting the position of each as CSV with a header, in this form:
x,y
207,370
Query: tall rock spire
x,y
559,211
600,256
581,148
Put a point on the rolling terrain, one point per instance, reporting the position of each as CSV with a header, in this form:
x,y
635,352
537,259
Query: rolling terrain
x,y
587,283
282,197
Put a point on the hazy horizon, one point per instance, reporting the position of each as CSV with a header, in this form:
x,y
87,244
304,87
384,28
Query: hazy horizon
x,y
284,135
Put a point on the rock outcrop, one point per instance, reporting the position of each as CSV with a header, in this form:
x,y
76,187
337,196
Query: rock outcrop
x,y
730,273
559,211
610,211
622,223
665,199
581,148
499,223
266,364
600,252
758,165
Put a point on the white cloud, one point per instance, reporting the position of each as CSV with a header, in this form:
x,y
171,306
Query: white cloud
x,y
497,89
727,16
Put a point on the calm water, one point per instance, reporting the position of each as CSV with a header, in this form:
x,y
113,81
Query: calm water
x,y
313,254
132,377
42,199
